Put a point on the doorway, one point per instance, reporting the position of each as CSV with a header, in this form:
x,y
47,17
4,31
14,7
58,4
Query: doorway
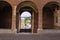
x,y
48,18
25,20
27,17
5,15
48,15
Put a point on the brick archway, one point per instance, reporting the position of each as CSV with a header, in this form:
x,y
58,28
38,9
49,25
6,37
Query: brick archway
x,y
48,15
5,15
31,7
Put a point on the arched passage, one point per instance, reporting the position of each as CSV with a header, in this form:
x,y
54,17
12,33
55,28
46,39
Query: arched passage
x,y
5,15
49,15
32,9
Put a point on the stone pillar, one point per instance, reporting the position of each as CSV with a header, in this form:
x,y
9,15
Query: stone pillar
x,y
32,22
13,19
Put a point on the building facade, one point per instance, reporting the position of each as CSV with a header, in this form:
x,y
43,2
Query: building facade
x,y
45,14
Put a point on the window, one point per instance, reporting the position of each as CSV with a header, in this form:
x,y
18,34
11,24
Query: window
x,y
56,19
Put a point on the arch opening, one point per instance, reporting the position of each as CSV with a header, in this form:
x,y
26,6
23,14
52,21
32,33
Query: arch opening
x,y
49,18
5,15
25,18
28,7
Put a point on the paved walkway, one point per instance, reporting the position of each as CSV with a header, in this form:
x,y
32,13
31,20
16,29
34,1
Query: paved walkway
x,y
43,35
49,31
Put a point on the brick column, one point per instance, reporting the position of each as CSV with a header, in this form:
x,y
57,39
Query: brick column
x,y
13,19
40,21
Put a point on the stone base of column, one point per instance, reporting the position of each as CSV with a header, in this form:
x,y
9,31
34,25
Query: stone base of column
x,y
39,30
14,30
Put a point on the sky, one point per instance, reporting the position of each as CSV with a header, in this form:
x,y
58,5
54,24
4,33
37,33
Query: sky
x,y
26,14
